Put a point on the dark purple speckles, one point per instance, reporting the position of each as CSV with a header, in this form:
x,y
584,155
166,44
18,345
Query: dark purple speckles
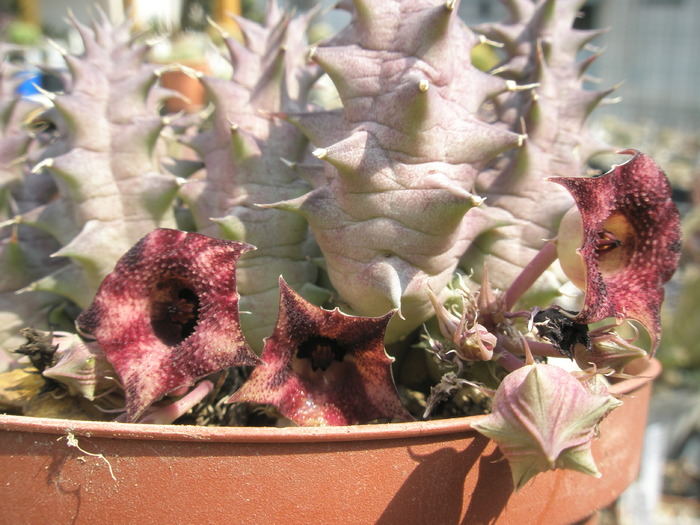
x,y
323,367
631,241
167,315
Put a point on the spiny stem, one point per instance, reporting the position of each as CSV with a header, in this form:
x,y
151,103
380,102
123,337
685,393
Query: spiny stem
x,y
536,267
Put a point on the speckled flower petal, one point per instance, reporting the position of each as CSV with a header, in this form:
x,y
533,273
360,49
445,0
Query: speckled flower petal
x,y
544,418
168,314
323,367
631,241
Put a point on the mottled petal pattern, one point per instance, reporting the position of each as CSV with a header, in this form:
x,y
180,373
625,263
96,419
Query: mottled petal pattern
x,y
168,314
631,241
323,367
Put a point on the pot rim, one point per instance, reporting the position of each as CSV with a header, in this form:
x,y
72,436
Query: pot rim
x,y
646,372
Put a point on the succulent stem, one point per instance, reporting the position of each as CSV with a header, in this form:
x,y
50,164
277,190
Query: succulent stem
x,y
532,271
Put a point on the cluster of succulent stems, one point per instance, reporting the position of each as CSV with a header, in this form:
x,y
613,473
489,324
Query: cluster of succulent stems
x,y
339,231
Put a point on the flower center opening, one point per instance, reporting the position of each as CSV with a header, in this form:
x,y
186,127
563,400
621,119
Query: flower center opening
x,y
607,241
615,244
321,352
175,313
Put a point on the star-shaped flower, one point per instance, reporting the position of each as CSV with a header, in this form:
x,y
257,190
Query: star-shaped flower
x,y
168,314
323,367
630,243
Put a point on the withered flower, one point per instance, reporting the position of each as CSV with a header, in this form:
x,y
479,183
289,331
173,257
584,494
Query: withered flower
x,y
168,314
560,328
458,325
324,367
630,242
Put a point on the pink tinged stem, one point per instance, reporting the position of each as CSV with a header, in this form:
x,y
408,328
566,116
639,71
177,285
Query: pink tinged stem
x,y
543,349
506,349
536,267
169,413
505,357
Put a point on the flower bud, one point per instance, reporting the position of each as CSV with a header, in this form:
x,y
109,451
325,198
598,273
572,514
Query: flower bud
x,y
82,367
569,241
543,419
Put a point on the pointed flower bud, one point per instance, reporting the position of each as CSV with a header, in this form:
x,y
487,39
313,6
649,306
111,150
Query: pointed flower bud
x,y
82,366
543,418
608,351
626,233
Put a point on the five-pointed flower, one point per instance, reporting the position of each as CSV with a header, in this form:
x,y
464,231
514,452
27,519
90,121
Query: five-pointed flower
x,y
323,367
628,238
167,315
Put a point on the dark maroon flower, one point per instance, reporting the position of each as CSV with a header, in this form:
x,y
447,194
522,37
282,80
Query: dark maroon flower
x,y
323,367
630,244
168,314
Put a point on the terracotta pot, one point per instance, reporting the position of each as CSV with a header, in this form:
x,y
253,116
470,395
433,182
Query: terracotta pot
x,y
438,472
188,86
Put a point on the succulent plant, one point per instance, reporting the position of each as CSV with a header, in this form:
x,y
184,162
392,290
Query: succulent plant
x,y
401,156
14,141
24,251
95,186
415,203
110,190
542,51
249,155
